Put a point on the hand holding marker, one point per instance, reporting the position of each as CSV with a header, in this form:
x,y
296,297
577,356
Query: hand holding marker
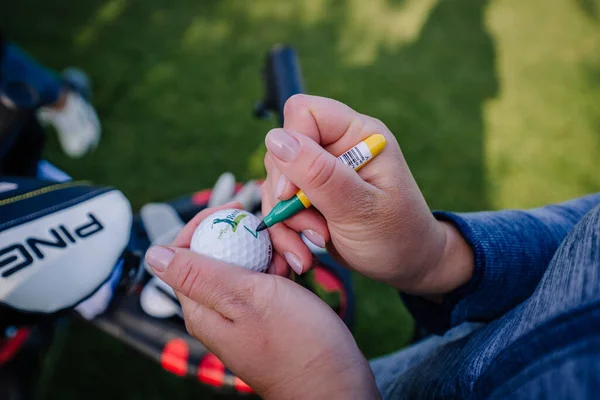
x,y
357,157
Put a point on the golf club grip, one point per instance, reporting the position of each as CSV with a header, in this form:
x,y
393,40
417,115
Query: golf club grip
x,y
283,78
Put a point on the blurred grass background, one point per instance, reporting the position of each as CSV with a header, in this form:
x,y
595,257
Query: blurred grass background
x,y
495,103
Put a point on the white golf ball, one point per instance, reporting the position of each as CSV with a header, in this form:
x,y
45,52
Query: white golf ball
x,y
230,236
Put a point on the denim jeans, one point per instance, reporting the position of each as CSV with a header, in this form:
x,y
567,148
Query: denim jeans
x,y
546,347
25,82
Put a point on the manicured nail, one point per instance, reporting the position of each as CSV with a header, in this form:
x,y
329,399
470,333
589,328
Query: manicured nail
x,y
314,238
280,185
282,144
159,258
294,262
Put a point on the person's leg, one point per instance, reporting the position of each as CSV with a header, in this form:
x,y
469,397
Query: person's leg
x,y
571,281
27,83
61,103
387,369
24,85
452,367
25,151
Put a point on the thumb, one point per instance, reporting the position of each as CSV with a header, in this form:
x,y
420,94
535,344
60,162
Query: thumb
x,y
331,186
224,288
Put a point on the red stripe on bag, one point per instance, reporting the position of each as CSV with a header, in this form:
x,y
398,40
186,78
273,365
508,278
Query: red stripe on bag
x,y
12,345
241,386
174,357
211,371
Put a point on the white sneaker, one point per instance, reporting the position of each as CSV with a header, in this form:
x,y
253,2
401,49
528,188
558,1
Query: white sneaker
x,y
77,125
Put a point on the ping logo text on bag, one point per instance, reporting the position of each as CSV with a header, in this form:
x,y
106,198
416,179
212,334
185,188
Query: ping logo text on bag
x,y
17,256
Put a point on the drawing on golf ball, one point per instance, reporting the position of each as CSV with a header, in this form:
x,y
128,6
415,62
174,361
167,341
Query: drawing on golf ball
x,y
230,236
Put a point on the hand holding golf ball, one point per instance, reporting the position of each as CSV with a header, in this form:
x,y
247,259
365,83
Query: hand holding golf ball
x,y
253,321
375,221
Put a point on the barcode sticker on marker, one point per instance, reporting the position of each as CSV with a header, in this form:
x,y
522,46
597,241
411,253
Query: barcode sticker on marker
x,y
356,156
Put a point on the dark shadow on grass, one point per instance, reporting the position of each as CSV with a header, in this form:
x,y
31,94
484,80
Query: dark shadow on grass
x,y
590,8
592,183
175,83
439,85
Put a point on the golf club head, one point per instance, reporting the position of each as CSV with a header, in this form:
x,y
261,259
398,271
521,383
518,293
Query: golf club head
x,y
159,218
249,196
162,224
158,300
223,190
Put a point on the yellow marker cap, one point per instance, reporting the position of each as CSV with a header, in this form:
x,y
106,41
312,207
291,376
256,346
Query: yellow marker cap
x,y
375,143
302,197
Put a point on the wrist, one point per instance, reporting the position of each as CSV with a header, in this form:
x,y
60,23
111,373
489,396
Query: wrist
x,y
358,386
457,263
353,382
451,269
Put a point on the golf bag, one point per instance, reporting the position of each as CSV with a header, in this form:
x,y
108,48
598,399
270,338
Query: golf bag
x,y
71,249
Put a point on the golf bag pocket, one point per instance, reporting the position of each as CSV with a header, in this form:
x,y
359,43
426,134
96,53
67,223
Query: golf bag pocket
x,y
59,243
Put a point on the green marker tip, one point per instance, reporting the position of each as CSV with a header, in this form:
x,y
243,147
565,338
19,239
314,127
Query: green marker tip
x,y
261,227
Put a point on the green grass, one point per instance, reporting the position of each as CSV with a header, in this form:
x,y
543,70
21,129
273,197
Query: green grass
x,y
495,104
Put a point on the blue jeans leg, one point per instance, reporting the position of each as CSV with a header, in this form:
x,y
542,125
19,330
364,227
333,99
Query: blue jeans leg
x,y
391,367
451,366
25,82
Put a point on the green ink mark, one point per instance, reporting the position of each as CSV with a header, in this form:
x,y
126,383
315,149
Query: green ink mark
x,y
234,224
255,234
237,220
223,221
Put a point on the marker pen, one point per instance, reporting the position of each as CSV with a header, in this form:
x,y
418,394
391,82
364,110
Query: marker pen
x,y
356,158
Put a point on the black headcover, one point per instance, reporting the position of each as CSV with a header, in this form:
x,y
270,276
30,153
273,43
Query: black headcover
x,y
59,242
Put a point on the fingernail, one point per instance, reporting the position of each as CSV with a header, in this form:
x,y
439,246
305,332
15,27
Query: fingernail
x,y
280,185
294,262
282,144
159,258
314,238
